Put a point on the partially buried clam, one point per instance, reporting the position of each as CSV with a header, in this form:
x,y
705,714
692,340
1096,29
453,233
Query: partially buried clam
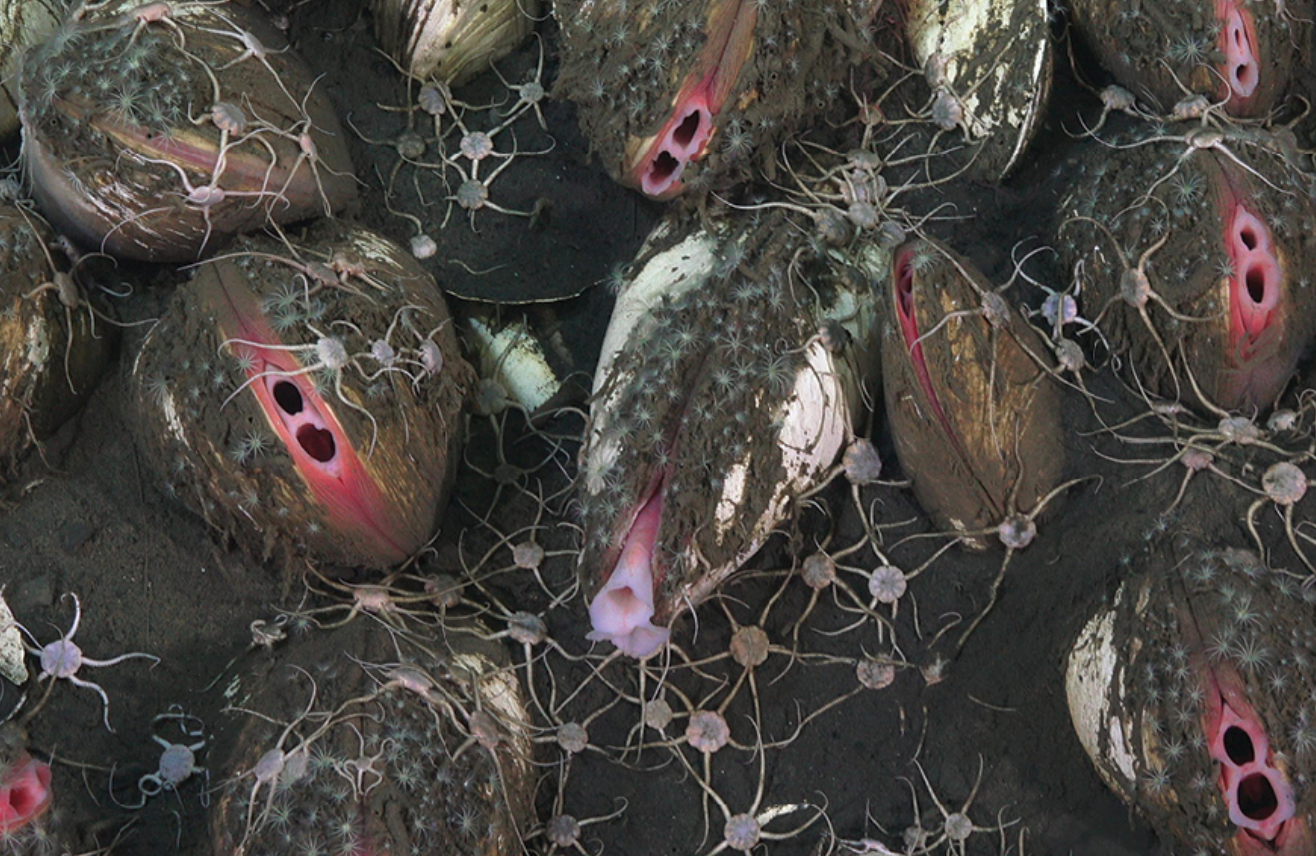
x,y
973,410
52,348
988,64
305,397
668,89
1192,247
1238,53
156,131
451,40
394,743
1192,692
727,387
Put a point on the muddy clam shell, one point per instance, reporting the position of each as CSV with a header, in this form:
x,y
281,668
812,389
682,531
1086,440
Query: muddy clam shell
x,y
451,40
51,356
996,60
22,23
1192,214
273,447
716,382
765,70
1149,679
1159,50
124,140
430,792
973,412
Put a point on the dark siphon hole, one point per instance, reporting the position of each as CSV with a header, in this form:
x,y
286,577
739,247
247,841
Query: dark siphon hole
x,y
316,442
1249,238
1256,797
288,397
1256,284
1238,746
663,166
24,800
685,132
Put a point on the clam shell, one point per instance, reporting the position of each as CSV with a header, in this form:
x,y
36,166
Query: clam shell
x,y
973,413
429,793
704,91
51,355
149,150
992,58
247,422
452,40
1192,694
22,23
1226,240
720,396
1241,53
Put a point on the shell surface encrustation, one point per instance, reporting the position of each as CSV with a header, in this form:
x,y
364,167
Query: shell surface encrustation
x,y
159,139
1171,693
718,399
320,416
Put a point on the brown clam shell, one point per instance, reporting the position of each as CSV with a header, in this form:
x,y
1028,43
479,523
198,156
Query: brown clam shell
x,y
974,415
395,769
159,138
1192,692
51,355
1225,238
730,78
246,419
1241,53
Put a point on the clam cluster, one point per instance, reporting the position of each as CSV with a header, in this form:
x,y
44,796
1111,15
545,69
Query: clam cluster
x,y
806,301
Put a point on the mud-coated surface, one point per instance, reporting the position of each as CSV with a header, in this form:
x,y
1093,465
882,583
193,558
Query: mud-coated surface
x,y
985,719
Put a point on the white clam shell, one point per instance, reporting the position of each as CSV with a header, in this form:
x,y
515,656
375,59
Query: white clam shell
x,y
512,354
452,40
997,60
816,420
13,665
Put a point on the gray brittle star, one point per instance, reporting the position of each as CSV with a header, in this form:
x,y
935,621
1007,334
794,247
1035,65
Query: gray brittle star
x,y
62,660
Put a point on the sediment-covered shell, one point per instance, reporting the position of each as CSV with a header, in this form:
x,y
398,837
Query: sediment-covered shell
x,y
157,131
974,414
22,23
1192,692
1195,259
988,63
1237,52
51,353
307,397
671,91
451,40
725,389
430,753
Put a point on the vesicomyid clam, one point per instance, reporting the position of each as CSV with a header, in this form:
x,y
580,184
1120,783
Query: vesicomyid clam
x,y
429,751
451,40
989,65
1193,691
22,23
308,397
726,388
1193,260
52,349
669,89
157,131
973,411
1237,52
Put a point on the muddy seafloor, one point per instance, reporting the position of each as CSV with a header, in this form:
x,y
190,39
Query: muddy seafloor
x,y
151,578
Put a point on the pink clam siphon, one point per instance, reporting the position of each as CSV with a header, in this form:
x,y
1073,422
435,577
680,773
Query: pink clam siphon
x,y
304,397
